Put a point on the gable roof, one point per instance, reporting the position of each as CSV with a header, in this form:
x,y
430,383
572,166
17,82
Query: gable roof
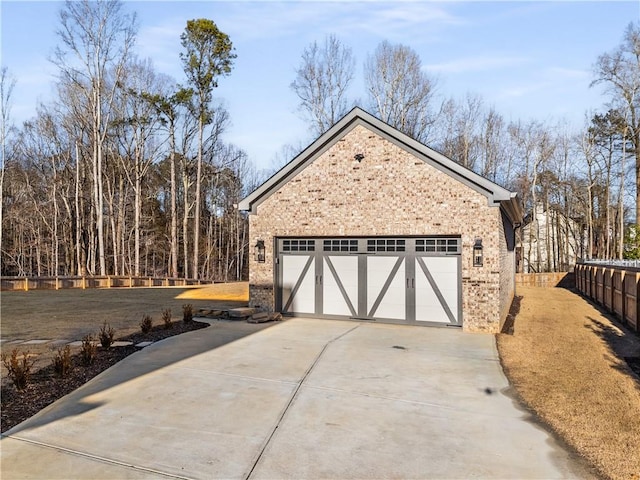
x,y
496,195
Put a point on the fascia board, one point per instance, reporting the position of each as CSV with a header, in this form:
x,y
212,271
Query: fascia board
x,y
513,209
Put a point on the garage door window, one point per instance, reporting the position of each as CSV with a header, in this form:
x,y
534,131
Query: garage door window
x,y
340,245
385,245
441,245
298,245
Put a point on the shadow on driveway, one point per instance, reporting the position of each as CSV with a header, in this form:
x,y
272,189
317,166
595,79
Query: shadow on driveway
x,y
152,358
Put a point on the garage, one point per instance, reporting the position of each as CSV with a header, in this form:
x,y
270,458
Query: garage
x,y
398,280
367,224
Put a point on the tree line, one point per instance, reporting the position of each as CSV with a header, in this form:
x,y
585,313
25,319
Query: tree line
x,y
588,179
126,171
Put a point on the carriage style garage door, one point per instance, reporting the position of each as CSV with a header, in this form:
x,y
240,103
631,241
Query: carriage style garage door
x,y
401,280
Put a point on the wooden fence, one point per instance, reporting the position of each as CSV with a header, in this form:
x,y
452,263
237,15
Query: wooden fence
x,y
57,283
615,288
551,279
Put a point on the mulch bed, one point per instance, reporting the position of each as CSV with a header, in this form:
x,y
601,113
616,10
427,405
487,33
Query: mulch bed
x,y
45,387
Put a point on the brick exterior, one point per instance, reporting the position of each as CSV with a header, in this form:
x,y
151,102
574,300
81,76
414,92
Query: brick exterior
x,y
390,192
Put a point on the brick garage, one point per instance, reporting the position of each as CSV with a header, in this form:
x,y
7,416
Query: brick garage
x,y
368,224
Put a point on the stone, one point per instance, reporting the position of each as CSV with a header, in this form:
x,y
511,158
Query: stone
x,y
242,312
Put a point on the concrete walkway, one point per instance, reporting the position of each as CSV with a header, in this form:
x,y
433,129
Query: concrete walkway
x,y
302,399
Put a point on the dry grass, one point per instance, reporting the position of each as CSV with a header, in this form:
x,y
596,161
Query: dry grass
x,y
227,292
566,361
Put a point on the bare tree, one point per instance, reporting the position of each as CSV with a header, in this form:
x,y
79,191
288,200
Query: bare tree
x,y
170,105
399,92
137,124
460,137
322,81
6,89
96,38
620,72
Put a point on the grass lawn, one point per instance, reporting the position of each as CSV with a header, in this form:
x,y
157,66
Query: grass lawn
x,y
71,314
566,361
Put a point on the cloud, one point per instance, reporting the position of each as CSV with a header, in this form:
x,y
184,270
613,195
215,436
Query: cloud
x,y
476,64
392,20
550,79
403,21
568,73
34,84
161,42
525,89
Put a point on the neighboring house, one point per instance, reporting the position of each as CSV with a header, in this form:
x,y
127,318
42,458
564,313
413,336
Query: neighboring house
x,y
368,224
549,241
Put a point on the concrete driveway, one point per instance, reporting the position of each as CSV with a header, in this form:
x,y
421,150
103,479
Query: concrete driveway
x,y
303,399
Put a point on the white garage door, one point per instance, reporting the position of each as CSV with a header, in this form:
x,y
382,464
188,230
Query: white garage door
x,y
400,280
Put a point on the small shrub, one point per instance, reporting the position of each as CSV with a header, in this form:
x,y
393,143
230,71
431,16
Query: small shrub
x,y
187,312
166,318
146,323
62,364
18,368
89,349
106,335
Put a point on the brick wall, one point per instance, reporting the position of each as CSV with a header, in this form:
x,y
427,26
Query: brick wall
x,y
390,192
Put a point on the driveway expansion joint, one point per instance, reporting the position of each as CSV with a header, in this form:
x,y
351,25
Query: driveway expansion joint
x,y
95,457
293,397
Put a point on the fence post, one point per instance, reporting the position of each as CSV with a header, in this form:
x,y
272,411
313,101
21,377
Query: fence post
x,y
609,272
637,279
26,284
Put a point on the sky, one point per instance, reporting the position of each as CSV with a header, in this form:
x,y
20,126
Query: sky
x,y
528,60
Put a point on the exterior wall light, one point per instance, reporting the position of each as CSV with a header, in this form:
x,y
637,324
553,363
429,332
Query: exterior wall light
x,y
477,253
259,251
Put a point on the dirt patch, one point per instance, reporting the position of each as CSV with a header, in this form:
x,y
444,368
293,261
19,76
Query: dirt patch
x,y
566,360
